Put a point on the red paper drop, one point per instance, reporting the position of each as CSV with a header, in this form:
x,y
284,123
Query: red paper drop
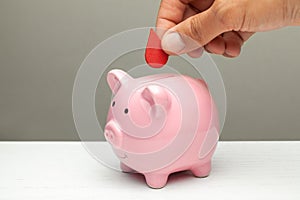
x,y
154,54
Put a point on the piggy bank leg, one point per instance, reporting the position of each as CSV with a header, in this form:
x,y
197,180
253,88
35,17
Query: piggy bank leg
x,y
155,180
125,168
201,170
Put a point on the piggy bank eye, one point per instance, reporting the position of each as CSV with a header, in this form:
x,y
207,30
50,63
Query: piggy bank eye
x,y
113,104
126,110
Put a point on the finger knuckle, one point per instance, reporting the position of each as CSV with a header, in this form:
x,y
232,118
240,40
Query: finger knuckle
x,y
195,29
229,15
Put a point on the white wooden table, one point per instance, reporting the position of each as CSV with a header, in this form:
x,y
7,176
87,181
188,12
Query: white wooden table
x,y
64,170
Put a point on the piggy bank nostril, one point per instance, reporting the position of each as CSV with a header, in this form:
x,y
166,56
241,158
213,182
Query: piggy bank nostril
x,y
113,134
110,136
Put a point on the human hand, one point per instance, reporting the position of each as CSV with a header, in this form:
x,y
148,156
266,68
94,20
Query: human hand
x,y
220,26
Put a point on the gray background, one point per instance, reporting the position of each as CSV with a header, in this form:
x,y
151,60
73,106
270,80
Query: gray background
x,y
43,42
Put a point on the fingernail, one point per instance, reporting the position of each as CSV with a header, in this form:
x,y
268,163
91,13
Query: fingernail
x,y
173,42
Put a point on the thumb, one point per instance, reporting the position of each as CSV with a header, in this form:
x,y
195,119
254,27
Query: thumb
x,y
193,33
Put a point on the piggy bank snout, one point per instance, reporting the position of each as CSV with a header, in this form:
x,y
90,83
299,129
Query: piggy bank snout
x,y
113,134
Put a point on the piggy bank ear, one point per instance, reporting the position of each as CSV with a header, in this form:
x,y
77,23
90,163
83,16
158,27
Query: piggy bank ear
x,y
115,79
157,95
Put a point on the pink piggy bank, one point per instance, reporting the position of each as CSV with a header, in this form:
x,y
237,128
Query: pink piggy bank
x,y
161,124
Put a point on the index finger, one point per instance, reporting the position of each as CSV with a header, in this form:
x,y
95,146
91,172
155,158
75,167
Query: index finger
x,y
170,13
